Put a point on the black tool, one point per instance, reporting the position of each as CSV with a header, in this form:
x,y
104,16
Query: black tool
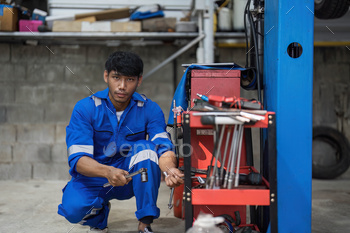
x,y
144,176
252,178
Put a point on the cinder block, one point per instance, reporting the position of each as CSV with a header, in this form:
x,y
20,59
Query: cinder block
x,y
329,55
343,54
7,133
68,54
59,153
30,152
24,113
156,91
60,133
29,54
3,118
98,54
235,55
51,171
5,52
15,171
318,55
336,55
84,73
5,153
58,113
13,72
7,94
48,73
71,94
40,95
326,103
332,73
36,133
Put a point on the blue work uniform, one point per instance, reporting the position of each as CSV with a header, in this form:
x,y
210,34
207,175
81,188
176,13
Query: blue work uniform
x,y
94,131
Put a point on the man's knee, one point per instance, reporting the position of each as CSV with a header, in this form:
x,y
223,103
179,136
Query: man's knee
x,y
73,212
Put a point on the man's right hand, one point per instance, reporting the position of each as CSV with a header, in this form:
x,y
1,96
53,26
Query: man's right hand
x,y
116,176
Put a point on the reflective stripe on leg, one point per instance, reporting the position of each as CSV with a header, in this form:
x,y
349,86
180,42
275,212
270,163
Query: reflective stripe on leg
x,y
142,156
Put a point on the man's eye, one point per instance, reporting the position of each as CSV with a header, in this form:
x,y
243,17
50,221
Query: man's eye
x,y
116,77
131,79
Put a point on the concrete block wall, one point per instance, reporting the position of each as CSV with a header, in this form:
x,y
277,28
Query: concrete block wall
x,y
39,86
331,105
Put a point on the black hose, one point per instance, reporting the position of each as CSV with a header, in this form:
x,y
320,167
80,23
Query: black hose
x,y
256,53
245,32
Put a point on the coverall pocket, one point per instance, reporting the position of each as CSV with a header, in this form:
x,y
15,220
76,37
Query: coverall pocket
x,y
102,136
138,135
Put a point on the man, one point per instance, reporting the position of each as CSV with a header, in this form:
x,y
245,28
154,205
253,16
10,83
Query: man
x,y
106,140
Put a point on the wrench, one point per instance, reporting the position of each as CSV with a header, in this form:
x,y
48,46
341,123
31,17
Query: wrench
x,y
144,176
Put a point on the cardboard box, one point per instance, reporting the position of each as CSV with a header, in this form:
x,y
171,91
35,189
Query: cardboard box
x,y
96,26
8,18
66,26
107,14
126,26
51,19
159,25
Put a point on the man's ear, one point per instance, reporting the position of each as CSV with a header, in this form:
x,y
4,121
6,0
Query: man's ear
x,y
105,76
139,81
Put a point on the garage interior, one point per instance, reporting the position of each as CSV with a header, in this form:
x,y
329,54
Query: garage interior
x,y
43,75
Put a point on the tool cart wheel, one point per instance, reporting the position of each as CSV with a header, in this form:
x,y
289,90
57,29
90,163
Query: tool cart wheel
x,y
330,153
331,9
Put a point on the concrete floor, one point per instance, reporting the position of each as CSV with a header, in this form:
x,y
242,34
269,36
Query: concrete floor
x,y
31,206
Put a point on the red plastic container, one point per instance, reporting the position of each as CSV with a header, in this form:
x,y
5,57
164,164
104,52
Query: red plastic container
x,y
29,25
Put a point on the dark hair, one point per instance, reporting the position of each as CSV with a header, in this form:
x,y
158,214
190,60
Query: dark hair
x,y
125,63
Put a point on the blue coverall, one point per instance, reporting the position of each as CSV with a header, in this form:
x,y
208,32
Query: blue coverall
x,y
94,131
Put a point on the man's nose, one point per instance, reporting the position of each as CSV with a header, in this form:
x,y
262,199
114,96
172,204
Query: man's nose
x,y
122,84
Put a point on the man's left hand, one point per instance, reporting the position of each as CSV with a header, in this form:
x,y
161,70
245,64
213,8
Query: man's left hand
x,y
174,177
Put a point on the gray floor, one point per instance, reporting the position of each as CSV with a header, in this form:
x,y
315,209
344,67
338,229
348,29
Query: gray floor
x,y
31,206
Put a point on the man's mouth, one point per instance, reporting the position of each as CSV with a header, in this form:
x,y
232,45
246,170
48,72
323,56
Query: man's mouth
x,y
121,95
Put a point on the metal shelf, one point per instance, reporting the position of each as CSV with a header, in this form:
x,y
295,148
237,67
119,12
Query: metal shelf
x,y
104,37
243,195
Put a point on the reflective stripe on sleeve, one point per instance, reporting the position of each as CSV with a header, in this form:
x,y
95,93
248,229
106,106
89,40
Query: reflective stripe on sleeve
x,y
160,135
97,100
80,148
142,156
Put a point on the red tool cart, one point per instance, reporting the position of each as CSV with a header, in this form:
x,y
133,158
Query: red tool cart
x,y
198,156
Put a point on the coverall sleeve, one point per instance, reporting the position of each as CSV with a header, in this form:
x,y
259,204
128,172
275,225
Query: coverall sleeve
x,y
79,137
156,129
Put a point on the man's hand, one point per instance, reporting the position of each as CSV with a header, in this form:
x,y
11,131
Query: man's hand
x,y
116,176
174,177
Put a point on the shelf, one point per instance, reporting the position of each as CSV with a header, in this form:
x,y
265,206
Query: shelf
x,y
242,195
195,122
105,37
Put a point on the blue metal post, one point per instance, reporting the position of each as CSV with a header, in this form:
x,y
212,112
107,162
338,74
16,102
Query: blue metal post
x,y
288,92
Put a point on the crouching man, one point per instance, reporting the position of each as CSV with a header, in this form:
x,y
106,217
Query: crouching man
x,y
106,140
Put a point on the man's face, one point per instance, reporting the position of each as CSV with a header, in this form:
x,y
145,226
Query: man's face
x,y
121,88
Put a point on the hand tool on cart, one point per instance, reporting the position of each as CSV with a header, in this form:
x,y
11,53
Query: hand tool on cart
x,y
231,102
239,155
142,171
177,123
253,178
236,156
214,178
225,154
233,158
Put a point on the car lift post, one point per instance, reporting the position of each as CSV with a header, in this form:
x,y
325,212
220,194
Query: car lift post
x,y
288,92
